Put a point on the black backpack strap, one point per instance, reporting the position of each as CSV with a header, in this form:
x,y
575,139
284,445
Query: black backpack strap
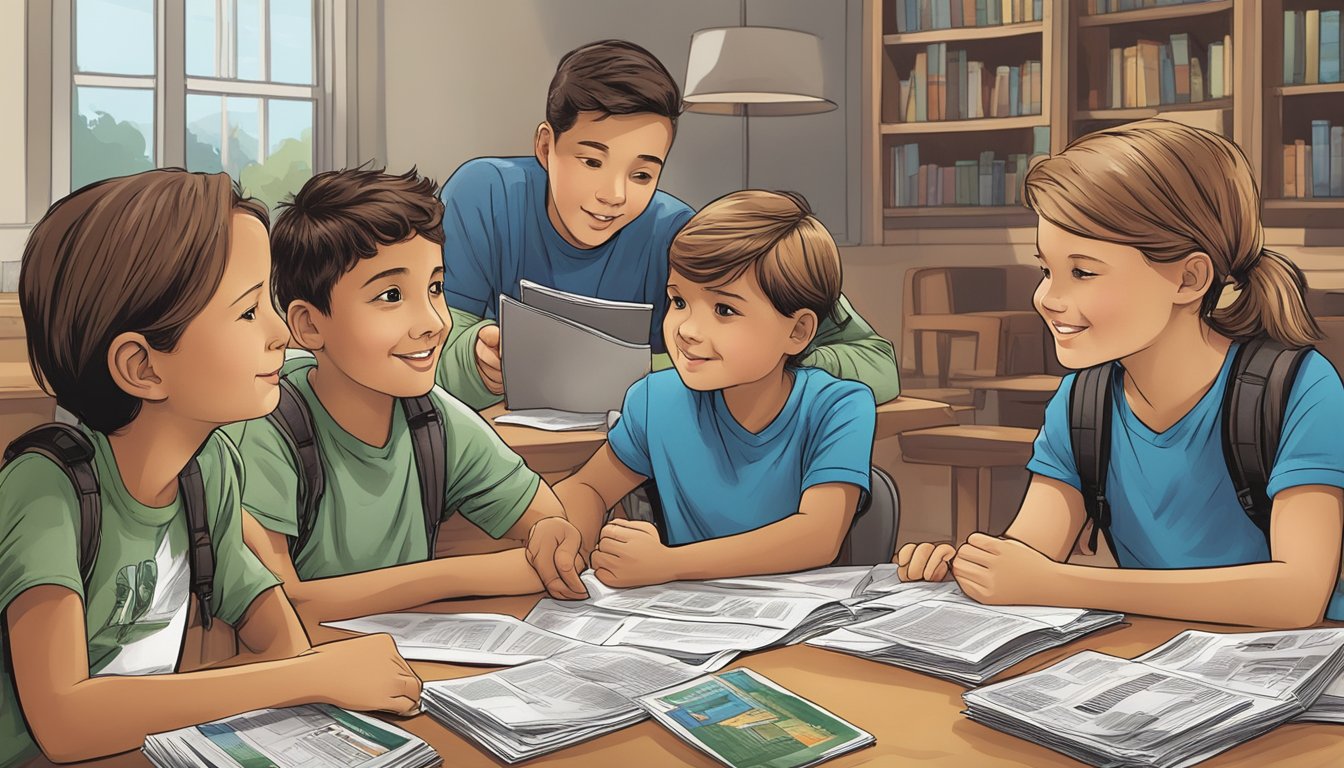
x,y
295,423
1254,404
201,556
428,441
72,451
1090,433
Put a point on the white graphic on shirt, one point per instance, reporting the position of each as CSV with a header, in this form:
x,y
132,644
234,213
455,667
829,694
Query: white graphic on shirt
x,y
143,634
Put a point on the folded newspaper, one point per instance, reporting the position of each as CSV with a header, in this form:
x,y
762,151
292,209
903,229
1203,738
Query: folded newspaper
x,y
297,737
744,720
533,709
1192,697
932,627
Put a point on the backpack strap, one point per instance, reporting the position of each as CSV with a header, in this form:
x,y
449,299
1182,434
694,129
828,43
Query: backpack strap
x,y
1254,405
202,557
1090,433
428,441
295,423
72,451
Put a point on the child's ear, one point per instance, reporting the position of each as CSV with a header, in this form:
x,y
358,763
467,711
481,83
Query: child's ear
x,y
543,143
132,367
804,330
1196,277
305,325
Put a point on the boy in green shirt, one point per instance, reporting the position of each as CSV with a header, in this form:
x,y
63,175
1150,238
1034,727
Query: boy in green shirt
x,y
359,275
147,306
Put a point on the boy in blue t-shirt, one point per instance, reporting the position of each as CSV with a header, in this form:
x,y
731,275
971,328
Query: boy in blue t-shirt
x,y
585,215
760,464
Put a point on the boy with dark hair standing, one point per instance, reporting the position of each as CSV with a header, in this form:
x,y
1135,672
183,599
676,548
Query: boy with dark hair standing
x,y
359,277
585,215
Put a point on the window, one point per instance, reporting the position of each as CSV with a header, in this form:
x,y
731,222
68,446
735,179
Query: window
x,y
210,85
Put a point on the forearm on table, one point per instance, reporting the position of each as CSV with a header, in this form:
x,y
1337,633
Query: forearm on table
x,y
796,543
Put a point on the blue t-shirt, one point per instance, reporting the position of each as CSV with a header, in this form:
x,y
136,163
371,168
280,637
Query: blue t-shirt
x,y
717,479
496,233
1172,502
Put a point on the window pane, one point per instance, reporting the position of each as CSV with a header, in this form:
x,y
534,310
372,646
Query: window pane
x,y
289,161
114,36
292,41
201,52
111,133
203,131
249,15
211,119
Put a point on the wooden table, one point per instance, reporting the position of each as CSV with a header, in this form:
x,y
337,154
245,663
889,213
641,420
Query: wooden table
x,y
1010,401
916,718
555,455
23,404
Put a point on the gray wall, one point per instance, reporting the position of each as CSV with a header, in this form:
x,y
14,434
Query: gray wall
x,y
463,79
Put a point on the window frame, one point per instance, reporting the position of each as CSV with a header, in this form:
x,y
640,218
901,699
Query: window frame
x,y
171,84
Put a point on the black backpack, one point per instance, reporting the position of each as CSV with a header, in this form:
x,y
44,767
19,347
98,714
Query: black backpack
x,y
295,423
72,451
1253,408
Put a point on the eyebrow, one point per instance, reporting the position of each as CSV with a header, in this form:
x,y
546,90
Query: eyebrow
x,y
652,159
385,273
246,293
726,293
596,145
1088,258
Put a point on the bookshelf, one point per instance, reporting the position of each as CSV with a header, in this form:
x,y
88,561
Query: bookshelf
x,y
1254,104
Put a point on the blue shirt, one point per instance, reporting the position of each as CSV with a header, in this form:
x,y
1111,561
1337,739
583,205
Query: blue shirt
x,y
496,233
717,479
1172,502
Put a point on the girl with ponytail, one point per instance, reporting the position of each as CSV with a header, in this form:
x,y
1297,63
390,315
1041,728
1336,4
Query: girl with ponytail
x,y
1152,255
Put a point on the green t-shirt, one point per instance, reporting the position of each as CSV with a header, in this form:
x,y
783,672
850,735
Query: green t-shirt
x,y
136,612
370,515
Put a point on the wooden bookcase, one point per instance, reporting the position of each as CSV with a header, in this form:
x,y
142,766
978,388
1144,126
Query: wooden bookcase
x,y
1259,112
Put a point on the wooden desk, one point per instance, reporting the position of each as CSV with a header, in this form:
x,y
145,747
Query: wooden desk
x,y
555,455
916,718
23,404
1010,401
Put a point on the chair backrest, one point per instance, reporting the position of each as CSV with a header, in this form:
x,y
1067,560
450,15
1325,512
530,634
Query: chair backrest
x,y
872,535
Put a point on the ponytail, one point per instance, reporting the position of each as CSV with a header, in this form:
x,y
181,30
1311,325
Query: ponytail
x,y
1271,301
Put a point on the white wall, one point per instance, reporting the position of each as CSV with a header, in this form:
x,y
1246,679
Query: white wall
x,y
468,79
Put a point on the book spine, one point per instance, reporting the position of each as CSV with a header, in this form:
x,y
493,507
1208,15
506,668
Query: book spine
x,y
1216,71
921,78
1300,171
1300,48
1131,76
1313,46
1180,59
1196,79
1320,158
1337,161
947,187
1014,90
1168,84
963,86
911,174
997,183
1289,46
922,184
1330,52
901,17
1305,184
986,178
1289,171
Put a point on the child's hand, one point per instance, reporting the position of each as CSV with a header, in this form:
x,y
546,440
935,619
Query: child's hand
x,y
629,554
998,571
487,359
924,562
553,552
365,673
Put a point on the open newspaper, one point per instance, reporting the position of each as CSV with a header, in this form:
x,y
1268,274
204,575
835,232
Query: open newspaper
x,y
1192,697
745,721
310,736
934,628
1329,708
529,710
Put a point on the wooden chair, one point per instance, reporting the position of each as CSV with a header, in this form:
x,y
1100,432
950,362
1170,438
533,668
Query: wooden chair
x,y
972,451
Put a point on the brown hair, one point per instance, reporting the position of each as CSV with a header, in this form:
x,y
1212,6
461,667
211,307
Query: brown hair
x,y
1169,190
140,254
340,217
775,234
613,77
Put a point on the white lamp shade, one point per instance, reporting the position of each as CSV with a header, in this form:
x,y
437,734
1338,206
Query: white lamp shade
x,y
771,71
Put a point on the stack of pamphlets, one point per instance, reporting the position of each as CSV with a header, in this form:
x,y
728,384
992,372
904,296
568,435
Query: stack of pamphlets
x,y
1193,697
932,627
529,710
296,737
745,721
1329,708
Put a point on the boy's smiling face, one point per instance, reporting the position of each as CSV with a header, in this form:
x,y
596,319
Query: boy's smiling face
x,y
721,336
226,365
388,319
601,173
1106,301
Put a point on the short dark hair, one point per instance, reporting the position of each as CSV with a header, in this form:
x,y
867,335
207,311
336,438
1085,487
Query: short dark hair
x,y
340,217
142,254
613,77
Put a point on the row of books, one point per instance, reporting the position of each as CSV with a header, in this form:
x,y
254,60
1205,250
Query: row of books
x,y
985,181
945,86
920,15
1095,7
1311,46
1152,73
1315,168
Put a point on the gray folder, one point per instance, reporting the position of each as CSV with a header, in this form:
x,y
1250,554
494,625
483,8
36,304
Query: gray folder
x,y
555,362
627,321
